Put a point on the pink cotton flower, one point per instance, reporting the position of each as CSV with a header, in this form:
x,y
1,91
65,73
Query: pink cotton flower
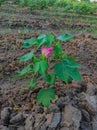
x,y
46,50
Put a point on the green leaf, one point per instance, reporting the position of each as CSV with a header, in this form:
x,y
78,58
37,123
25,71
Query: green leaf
x,y
40,67
50,78
72,58
66,70
57,50
65,37
27,56
36,67
46,39
49,39
74,73
45,96
26,70
34,59
29,42
60,71
41,40
43,67
71,63
32,83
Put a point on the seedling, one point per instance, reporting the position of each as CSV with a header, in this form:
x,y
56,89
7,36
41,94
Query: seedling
x,y
64,67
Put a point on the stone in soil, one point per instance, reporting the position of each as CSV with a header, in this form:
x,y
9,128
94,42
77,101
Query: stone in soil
x,y
94,122
55,120
88,102
12,127
64,128
62,101
48,119
43,127
85,115
53,108
21,128
17,119
71,118
5,128
85,126
29,123
5,115
91,89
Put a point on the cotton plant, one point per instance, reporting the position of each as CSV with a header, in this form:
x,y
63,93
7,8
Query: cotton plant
x,y
64,68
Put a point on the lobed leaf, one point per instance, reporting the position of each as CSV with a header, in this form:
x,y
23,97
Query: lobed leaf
x,y
71,63
26,70
65,37
60,71
46,39
74,73
29,42
50,78
40,67
66,70
46,95
57,50
36,67
43,67
49,39
27,56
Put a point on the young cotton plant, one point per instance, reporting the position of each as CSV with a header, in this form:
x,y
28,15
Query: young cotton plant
x,y
65,68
